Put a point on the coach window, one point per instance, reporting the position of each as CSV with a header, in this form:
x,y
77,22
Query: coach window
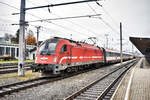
x,y
64,48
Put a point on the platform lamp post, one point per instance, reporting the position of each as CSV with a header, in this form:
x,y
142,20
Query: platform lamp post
x,y
21,40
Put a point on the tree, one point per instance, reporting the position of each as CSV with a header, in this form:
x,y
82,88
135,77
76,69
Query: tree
x,y
15,39
8,36
30,39
17,35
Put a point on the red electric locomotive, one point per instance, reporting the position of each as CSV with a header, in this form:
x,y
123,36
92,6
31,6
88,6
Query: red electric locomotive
x,y
59,54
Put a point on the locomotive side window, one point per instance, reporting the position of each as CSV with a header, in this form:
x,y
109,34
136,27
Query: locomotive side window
x,y
64,48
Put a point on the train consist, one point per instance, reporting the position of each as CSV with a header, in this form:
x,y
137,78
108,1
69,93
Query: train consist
x,y
57,55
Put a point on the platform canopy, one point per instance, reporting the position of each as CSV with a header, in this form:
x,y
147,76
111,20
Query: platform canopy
x,y
142,44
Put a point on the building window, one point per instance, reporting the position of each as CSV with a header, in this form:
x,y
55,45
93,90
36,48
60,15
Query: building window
x,y
13,52
7,50
17,52
1,51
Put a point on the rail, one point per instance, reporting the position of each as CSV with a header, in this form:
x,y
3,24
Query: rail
x,y
86,93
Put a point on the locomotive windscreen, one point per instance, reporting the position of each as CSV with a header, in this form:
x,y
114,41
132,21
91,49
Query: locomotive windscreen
x,y
48,47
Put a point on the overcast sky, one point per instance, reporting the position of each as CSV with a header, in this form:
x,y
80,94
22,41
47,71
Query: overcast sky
x,y
134,15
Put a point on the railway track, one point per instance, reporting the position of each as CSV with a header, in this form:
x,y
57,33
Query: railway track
x,y
103,88
12,69
15,87
10,64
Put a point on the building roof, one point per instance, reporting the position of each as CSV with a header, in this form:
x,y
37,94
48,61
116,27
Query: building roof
x,y
142,44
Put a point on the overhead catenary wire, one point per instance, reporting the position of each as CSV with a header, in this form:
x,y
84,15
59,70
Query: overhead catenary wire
x,y
66,28
107,13
106,23
110,16
55,24
47,28
54,30
19,9
78,25
40,18
56,33
71,17
9,5
60,4
29,13
70,29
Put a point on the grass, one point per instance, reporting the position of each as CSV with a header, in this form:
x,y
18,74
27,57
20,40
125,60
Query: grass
x,y
28,75
15,61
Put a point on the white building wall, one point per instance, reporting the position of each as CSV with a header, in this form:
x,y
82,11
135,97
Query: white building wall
x,y
32,55
16,46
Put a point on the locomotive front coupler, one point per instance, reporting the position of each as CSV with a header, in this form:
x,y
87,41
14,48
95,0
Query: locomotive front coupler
x,y
35,67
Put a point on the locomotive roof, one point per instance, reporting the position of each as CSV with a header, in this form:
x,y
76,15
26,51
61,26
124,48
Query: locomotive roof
x,y
79,43
82,44
115,51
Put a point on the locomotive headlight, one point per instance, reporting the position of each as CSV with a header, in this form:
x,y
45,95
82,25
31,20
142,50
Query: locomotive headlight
x,y
55,59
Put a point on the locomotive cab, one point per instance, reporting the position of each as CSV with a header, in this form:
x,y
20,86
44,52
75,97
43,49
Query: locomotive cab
x,y
52,56
46,56
46,52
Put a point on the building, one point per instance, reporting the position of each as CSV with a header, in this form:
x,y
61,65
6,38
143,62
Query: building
x,y
13,50
4,40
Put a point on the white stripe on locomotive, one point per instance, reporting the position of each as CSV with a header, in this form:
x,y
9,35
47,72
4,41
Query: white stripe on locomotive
x,y
81,57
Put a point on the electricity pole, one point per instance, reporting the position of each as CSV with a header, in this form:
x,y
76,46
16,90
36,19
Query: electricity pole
x,y
21,39
121,42
38,28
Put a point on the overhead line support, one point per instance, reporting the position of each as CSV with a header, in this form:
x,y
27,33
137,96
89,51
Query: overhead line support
x,y
21,40
61,4
121,43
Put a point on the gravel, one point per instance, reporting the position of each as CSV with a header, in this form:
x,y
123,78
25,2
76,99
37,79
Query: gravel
x,y
9,81
59,90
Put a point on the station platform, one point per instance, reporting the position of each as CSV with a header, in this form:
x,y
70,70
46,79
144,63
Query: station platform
x,y
135,85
